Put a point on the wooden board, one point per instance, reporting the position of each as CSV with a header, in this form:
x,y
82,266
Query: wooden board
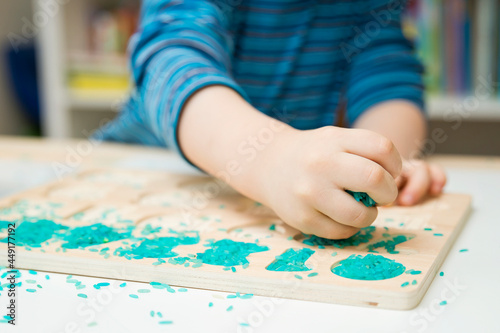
x,y
136,199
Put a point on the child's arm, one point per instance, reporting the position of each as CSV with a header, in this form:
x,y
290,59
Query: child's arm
x,y
398,120
189,101
403,123
302,175
385,94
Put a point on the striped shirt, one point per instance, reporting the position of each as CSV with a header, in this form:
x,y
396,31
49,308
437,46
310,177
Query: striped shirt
x,y
299,61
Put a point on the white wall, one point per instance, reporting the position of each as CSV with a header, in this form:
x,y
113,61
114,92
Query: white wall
x,y
12,120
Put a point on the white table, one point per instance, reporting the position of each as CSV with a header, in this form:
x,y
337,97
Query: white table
x,y
471,281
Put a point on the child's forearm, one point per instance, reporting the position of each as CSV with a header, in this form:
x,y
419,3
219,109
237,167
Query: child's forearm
x,y
403,123
225,136
301,175
400,121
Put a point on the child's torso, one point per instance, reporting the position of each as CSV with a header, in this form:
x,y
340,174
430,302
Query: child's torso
x,y
287,56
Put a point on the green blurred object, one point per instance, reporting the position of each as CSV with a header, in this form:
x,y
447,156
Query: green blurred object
x,y
362,197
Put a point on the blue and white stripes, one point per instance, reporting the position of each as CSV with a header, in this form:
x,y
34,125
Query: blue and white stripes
x,y
295,56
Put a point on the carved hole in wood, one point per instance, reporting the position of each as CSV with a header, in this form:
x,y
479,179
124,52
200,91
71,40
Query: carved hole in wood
x,y
166,198
209,187
79,191
299,237
257,229
126,178
175,222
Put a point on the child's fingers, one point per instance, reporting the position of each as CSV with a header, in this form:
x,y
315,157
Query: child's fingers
x,y
375,147
322,226
438,179
343,208
401,180
417,185
359,174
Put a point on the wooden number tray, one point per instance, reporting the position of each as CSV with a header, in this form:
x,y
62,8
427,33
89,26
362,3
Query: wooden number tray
x,y
193,231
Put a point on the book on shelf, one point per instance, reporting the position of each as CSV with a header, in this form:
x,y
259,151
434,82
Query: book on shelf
x,y
98,81
497,79
458,42
103,66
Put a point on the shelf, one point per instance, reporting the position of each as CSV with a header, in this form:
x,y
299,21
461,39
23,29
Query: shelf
x,y
467,108
90,100
82,61
439,107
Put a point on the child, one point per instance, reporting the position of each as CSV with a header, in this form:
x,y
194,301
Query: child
x,y
252,89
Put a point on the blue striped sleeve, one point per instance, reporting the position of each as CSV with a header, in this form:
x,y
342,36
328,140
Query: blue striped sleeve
x,y
383,65
181,47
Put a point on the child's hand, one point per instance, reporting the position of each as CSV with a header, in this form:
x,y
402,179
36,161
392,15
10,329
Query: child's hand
x,y
418,179
305,175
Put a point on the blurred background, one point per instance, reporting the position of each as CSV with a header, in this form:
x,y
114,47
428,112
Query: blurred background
x,y
68,58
